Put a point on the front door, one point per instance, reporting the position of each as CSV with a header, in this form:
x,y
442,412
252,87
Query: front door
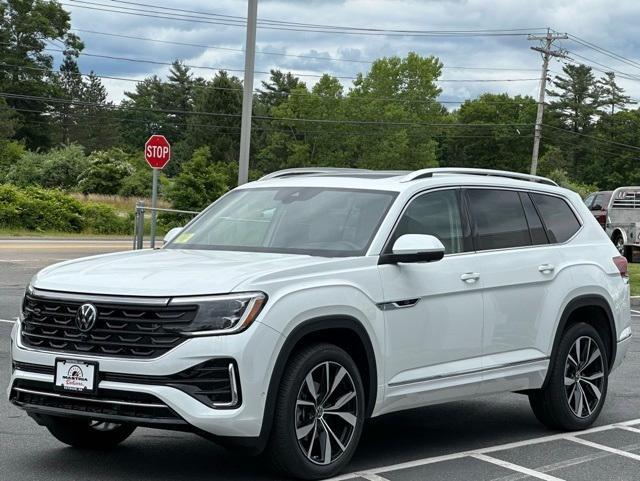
x,y
433,311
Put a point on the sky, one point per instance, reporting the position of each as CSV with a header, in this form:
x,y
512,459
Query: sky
x,y
491,63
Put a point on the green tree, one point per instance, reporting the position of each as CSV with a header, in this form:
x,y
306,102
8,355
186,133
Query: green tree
x,y
612,96
25,28
382,122
574,109
502,146
200,182
278,88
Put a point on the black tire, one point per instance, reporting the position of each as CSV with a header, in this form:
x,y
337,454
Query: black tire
x,y
571,389
87,434
293,414
618,241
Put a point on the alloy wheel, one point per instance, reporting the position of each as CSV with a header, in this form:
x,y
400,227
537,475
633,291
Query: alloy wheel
x,y
584,376
326,413
620,245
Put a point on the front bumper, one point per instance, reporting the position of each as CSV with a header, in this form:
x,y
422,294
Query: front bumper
x,y
253,351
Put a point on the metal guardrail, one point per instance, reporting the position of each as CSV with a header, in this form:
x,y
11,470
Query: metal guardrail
x,y
138,226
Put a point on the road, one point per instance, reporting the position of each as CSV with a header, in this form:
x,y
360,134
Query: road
x,y
488,438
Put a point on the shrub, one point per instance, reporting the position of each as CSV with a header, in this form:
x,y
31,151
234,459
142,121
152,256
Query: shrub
x,y
106,172
62,167
103,219
39,210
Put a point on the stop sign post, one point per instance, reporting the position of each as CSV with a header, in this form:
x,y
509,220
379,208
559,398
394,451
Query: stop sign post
x,y
157,153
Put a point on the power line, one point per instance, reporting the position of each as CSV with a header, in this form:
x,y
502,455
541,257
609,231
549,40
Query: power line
x,y
260,117
206,67
604,51
284,94
281,22
612,142
146,12
233,129
262,52
624,75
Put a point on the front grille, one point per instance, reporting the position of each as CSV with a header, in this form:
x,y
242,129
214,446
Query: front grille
x,y
120,330
108,403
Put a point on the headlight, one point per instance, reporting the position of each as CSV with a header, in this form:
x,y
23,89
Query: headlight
x,y
225,314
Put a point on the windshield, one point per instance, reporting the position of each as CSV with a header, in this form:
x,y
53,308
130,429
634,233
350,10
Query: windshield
x,y
299,220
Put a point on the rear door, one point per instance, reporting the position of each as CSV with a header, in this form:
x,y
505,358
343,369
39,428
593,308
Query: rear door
x,y
518,267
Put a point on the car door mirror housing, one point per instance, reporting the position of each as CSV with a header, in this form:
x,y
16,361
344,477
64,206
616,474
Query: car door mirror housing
x,y
172,234
414,248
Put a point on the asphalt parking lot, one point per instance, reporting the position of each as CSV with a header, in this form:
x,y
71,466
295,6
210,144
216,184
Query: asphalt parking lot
x,y
488,438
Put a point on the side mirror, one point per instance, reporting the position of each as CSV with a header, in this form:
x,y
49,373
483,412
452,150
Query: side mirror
x,y
596,207
414,248
172,234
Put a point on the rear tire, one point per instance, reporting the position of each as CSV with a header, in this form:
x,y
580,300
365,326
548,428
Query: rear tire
x,y
319,414
577,385
88,434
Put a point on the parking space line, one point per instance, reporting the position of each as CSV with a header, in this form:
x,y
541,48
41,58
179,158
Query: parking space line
x,y
603,447
490,449
372,477
516,467
8,321
629,428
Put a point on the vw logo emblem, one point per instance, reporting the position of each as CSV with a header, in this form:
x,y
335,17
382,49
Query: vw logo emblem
x,y
86,317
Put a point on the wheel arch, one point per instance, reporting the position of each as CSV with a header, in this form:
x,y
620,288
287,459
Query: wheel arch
x,y
315,330
601,319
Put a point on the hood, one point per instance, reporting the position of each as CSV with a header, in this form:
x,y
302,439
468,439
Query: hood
x,y
165,272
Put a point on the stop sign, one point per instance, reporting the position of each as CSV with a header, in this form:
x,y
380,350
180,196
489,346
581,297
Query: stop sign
x,y
157,151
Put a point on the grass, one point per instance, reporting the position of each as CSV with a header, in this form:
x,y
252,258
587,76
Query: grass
x,y
634,279
118,202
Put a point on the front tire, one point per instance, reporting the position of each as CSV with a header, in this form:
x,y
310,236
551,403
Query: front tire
x,y
319,413
577,386
88,434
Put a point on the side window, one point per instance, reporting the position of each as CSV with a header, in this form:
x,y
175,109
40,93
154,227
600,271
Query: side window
x,y
499,219
437,214
536,229
559,219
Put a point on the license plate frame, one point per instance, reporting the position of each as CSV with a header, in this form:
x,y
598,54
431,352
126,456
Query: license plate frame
x,y
75,376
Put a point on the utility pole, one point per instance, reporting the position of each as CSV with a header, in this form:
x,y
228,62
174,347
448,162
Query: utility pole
x,y
547,53
247,92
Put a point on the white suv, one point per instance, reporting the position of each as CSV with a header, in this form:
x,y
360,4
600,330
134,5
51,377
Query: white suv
x,y
297,306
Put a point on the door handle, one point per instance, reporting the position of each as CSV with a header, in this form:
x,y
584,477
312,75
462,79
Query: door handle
x,y
470,277
546,268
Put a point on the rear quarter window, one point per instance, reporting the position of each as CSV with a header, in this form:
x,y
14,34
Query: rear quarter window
x,y
559,220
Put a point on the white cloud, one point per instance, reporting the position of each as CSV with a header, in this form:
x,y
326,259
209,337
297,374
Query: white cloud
x,y
613,27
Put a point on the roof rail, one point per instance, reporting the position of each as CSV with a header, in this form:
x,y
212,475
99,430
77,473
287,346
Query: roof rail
x,y
310,171
425,173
